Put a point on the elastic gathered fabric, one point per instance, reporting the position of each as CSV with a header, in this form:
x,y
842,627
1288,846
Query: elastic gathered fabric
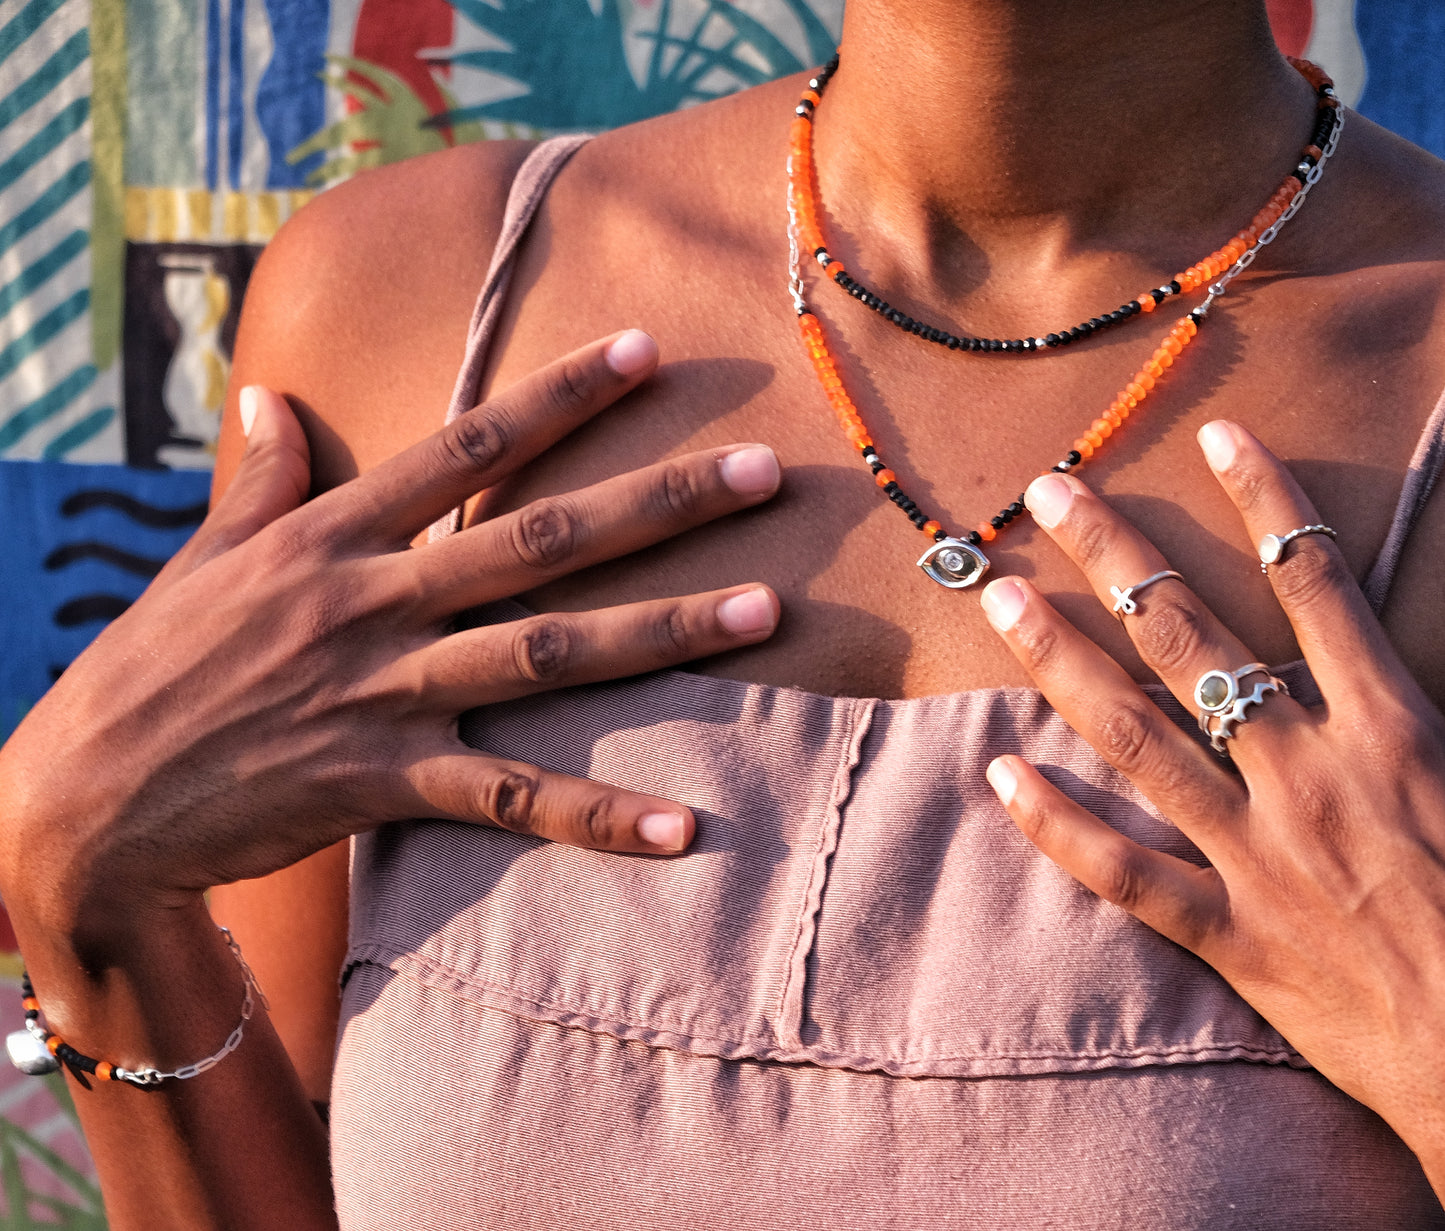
x,y
861,1000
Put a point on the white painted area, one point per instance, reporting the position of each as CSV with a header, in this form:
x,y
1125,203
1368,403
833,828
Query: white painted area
x,y
1335,46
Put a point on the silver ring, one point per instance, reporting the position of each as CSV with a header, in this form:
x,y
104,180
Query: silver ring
x,y
1219,695
1272,546
1124,601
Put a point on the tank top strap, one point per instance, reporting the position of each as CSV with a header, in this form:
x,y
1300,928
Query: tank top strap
x,y
528,190
1425,467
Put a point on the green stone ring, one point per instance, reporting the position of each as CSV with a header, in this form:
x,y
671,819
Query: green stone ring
x,y
1221,699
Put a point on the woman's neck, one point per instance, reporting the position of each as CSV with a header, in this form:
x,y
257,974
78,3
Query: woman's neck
x,y
966,138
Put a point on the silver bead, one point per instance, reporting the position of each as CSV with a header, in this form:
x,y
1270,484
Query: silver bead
x,y
29,1054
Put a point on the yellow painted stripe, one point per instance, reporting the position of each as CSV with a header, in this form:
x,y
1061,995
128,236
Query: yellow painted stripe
x,y
171,215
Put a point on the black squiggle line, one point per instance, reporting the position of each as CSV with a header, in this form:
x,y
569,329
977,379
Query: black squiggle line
x,y
90,607
137,510
70,553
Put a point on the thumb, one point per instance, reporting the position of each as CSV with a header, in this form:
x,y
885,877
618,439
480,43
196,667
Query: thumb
x,y
272,478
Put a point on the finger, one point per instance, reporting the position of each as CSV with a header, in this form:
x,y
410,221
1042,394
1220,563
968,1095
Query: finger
x,y
559,535
1341,639
1187,904
1176,635
392,503
1096,697
482,666
473,786
273,478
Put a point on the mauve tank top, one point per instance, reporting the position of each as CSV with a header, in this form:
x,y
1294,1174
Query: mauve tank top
x,y
861,1000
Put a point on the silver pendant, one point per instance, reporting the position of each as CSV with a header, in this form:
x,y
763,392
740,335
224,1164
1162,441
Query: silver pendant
x,y
29,1054
954,563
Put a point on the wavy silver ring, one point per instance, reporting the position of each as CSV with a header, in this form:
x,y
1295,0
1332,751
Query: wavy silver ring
x,y
1124,601
1219,695
1272,546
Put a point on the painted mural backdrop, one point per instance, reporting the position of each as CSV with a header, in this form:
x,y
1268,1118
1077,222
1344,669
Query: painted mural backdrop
x,y
150,148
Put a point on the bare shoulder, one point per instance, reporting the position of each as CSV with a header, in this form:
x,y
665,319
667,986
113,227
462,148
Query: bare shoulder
x,y
357,310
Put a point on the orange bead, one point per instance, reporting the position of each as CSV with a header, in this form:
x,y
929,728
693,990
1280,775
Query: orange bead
x,y
1154,369
1137,390
884,477
1146,302
1145,381
813,97
53,1043
1101,428
29,1003
1173,346
1113,417
1189,326
1093,438
103,1070
931,528
836,270
986,532
1129,400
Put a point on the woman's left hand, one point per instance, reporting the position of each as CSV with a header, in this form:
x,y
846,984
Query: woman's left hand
x,y
1324,905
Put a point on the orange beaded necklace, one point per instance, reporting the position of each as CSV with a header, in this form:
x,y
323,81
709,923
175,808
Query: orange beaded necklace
x,y
958,561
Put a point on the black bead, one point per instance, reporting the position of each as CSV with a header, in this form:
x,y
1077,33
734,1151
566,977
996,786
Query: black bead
x,y
953,343
891,487
1018,345
1052,339
1005,516
1016,507
1073,457
973,538
996,522
1174,287
1159,296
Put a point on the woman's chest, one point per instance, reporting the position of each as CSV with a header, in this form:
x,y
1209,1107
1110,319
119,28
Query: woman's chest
x,y
1335,374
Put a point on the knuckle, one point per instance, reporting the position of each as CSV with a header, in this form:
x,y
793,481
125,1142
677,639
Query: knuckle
x,y
546,534
510,799
544,650
1250,485
1128,740
1124,880
567,387
676,495
672,633
476,441
596,824
1093,539
1170,635
1041,646
1311,573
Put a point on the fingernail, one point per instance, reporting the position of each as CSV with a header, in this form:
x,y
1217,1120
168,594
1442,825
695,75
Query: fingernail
x,y
752,471
248,409
1002,778
1048,499
664,830
1003,603
1218,441
632,353
748,612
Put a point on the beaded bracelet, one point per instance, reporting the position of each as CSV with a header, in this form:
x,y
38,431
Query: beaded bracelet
x,y
37,1051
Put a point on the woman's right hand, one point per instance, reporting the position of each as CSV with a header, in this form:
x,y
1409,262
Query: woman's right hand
x,y
292,676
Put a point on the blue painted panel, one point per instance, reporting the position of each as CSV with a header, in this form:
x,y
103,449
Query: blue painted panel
x,y
80,544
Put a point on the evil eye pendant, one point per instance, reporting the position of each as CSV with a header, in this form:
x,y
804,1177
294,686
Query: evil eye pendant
x,y
954,563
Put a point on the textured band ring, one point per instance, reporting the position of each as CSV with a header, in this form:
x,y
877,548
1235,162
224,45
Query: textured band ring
x,y
1272,546
1219,695
1124,601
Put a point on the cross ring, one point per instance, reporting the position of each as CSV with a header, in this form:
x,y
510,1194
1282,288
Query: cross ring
x,y
1124,601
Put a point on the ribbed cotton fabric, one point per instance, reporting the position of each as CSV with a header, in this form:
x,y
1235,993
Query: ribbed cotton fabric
x,y
861,1000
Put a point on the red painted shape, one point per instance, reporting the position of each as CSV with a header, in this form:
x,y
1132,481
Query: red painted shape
x,y
8,943
1292,21
391,32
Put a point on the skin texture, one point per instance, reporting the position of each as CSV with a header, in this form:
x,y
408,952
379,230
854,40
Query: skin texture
x,y
1330,351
